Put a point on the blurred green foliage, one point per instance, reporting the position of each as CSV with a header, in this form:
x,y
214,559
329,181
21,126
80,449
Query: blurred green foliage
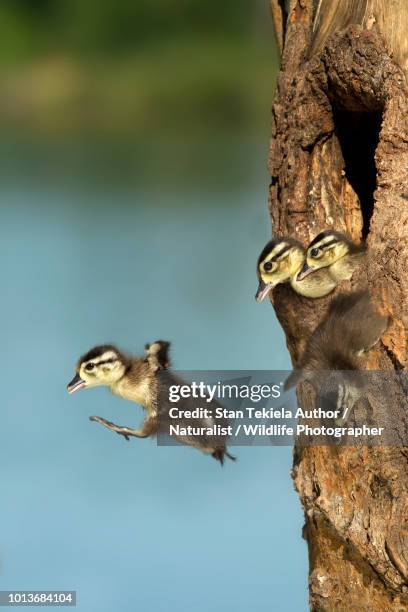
x,y
132,66
114,26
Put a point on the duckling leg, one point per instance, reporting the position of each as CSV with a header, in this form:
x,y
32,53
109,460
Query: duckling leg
x,y
149,428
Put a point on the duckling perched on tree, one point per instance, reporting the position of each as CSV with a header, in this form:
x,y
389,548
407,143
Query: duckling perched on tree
x,y
144,380
335,252
351,327
281,261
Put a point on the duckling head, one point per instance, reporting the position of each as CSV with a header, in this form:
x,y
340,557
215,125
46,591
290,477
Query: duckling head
x,y
102,365
280,260
325,250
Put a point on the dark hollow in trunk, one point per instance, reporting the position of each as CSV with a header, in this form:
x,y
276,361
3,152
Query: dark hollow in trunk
x,y
358,135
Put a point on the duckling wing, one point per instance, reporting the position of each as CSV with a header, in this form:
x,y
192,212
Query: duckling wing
x,y
157,355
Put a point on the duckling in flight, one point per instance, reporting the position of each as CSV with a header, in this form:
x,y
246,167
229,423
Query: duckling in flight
x,y
335,252
281,261
144,380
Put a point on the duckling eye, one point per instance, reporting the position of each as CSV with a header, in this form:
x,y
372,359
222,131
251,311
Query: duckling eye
x,y
268,266
89,367
314,252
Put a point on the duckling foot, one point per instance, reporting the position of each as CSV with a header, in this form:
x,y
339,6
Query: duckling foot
x,y
122,431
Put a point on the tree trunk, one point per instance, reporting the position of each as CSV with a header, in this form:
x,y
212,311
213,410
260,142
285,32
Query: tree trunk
x,y
339,159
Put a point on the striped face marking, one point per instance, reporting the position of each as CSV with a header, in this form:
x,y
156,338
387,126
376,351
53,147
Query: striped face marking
x,y
107,358
278,263
318,247
97,368
280,252
271,264
326,249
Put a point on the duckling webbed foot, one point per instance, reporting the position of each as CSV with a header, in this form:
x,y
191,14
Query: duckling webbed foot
x,y
126,432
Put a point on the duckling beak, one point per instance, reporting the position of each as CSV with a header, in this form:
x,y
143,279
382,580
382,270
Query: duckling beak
x,y
75,384
305,271
263,290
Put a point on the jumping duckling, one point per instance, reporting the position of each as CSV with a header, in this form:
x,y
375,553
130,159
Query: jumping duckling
x,y
281,261
351,327
144,380
334,251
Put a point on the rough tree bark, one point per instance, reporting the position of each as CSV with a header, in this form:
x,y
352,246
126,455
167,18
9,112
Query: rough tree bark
x,y
339,158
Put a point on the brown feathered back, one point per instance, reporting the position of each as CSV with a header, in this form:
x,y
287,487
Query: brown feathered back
x,y
352,325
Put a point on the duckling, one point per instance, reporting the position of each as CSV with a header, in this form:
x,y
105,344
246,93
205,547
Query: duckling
x,y
351,327
334,251
144,380
281,261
